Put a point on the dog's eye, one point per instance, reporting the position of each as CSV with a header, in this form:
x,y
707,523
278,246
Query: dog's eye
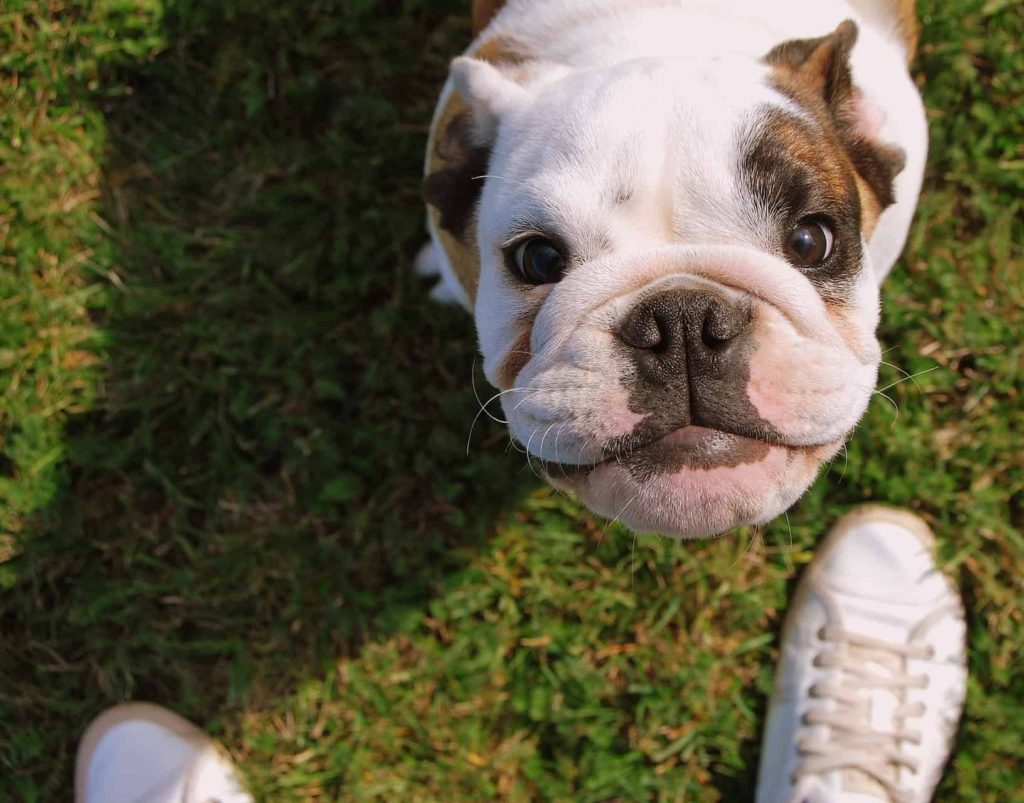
x,y
539,261
810,243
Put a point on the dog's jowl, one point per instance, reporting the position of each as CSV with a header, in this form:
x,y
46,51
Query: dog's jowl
x,y
671,221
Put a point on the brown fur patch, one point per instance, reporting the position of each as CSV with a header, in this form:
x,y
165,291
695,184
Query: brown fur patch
x,y
910,27
449,157
815,73
870,208
797,170
483,12
897,16
498,51
515,362
808,147
454,189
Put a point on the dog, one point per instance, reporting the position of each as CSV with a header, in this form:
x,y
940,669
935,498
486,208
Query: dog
x,y
671,219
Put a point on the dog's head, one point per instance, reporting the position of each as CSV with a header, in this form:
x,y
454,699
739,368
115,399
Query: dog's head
x,y
674,294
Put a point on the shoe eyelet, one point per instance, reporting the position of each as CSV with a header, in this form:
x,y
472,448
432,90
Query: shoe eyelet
x,y
821,634
817,662
813,691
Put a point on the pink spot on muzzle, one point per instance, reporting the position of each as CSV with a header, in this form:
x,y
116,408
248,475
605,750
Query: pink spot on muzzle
x,y
766,391
618,419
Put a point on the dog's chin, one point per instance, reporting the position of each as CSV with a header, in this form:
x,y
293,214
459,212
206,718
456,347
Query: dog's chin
x,y
696,482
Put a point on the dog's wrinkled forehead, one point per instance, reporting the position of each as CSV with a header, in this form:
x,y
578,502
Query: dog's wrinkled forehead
x,y
713,150
652,148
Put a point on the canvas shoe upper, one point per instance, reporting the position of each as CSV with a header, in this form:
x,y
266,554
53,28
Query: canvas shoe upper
x,y
141,753
872,673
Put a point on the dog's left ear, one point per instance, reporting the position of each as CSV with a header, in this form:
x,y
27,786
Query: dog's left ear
x,y
461,138
816,72
489,92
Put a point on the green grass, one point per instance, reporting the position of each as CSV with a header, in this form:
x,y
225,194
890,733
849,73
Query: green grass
x,y
233,475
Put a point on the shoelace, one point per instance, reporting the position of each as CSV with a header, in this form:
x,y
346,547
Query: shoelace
x,y
852,744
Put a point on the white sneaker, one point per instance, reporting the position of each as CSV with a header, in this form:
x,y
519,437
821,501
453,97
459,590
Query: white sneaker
x,y
872,673
142,753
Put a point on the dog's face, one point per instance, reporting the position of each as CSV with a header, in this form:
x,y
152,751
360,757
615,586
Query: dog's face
x,y
674,296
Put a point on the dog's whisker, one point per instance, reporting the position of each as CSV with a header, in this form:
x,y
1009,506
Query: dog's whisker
x,y
500,178
536,472
483,410
529,457
472,381
523,401
622,513
558,433
483,405
544,437
514,444
832,461
907,377
846,462
756,535
895,406
583,448
614,490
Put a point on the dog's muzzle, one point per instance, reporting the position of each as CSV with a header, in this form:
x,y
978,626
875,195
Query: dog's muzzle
x,y
689,349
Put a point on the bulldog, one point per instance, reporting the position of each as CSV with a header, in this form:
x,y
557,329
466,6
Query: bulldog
x,y
670,219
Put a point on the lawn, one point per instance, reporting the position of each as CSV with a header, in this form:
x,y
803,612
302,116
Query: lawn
x,y
234,475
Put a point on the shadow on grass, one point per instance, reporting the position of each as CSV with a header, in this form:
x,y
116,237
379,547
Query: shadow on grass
x,y
276,466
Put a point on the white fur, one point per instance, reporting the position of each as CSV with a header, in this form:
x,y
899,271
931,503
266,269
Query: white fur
x,y
648,101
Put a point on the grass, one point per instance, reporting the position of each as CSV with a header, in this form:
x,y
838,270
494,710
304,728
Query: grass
x,y
233,474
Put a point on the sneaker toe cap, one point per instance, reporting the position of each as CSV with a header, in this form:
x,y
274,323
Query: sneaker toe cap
x,y
885,557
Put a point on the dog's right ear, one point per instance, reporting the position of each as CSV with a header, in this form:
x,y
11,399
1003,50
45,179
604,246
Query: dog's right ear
x,y
489,93
818,71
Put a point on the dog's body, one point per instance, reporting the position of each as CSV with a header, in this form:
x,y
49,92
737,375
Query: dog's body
x,y
671,218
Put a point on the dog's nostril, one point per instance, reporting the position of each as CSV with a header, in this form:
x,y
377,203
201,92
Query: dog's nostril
x,y
659,327
643,332
714,335
724,323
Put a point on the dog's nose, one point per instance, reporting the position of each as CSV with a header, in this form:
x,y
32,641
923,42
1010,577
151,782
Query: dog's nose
x,y
683,331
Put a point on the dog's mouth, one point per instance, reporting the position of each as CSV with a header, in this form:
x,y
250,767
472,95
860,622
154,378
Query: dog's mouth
x,y
691,446
693,480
